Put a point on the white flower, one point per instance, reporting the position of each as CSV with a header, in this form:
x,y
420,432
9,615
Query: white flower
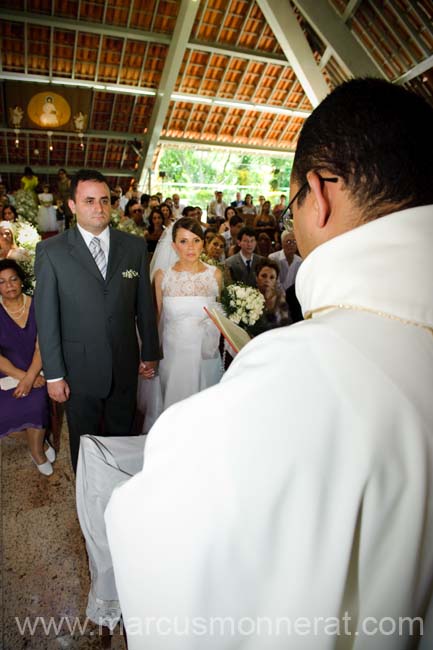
x,y
26,235
130,274
244,305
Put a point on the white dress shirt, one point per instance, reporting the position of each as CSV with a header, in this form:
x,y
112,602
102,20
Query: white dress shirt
x,y
104,239
287,271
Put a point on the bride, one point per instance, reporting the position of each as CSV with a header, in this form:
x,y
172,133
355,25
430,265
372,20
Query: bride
x,y
189,338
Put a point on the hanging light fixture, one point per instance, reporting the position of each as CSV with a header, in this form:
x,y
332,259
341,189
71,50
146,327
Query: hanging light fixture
x,y
50,142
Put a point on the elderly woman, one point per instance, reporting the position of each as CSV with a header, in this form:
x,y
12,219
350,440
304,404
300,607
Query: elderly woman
x,y
8,246
23,395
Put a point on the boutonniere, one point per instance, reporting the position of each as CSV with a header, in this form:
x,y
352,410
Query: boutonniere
x,y
130,274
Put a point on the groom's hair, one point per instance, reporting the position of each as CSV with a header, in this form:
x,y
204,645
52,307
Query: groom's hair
x,y
85,175
187,223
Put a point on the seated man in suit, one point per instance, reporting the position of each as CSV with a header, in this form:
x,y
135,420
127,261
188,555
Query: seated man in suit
x,y
242,266
237,203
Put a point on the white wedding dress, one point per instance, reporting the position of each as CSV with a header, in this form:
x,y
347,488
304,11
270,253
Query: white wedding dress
x,y
189,338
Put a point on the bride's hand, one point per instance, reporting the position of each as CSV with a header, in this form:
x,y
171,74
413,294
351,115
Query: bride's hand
x,y
147,369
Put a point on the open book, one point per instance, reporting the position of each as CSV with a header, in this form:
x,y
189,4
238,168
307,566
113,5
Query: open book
x,y
234,335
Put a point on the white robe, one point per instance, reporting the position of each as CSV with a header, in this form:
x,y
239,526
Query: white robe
x,y
299,489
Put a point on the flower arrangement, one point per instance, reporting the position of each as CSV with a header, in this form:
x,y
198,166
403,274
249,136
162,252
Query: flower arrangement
x,y
115,218
26,238
26,206
128,225
242,304
26,235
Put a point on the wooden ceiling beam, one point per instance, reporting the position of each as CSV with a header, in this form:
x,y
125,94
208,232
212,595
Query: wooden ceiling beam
x,y
418,69
102,29
217,144
347,50
173,62
288,32
237,52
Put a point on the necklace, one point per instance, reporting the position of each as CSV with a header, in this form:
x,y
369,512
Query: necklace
x,y
309,314
19,311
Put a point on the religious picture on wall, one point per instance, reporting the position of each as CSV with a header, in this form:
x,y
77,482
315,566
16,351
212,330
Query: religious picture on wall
x,y
49,110
48,117
37,106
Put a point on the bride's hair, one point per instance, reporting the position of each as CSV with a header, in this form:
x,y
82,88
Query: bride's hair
x,y
187,223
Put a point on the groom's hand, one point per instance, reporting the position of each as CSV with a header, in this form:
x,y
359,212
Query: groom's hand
x,y
147,369
59,390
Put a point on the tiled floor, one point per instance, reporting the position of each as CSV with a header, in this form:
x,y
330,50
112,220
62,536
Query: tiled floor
x,y
43,563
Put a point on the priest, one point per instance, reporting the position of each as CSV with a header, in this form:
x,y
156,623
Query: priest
x,y
291,506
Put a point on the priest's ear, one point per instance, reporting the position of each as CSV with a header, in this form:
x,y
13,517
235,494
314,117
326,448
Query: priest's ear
x,y
321,198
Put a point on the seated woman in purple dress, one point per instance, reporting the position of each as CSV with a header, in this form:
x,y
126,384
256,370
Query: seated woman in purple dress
x,y
23,394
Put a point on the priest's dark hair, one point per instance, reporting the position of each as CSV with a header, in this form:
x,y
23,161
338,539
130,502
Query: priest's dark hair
x,y
85,175
378,138
188,223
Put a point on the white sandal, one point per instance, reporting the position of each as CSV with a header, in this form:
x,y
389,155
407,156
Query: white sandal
x,y
45,468
50,453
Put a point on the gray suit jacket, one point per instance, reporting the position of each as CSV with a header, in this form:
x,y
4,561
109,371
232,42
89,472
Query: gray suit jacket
x,y
238,271
87,326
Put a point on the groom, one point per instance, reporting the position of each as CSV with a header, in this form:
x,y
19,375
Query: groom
x,y
92,295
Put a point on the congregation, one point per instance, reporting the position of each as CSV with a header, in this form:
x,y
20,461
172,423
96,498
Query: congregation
x,y
237,242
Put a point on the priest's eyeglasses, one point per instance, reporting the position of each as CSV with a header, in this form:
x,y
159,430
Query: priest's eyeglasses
x,y
288,214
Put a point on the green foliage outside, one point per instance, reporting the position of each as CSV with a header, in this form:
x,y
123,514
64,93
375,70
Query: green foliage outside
x,y
196,174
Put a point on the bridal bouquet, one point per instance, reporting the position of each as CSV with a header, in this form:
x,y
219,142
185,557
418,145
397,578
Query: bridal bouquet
x,y
242,304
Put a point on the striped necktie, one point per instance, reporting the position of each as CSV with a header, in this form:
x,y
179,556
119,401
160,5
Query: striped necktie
x,y
98,255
